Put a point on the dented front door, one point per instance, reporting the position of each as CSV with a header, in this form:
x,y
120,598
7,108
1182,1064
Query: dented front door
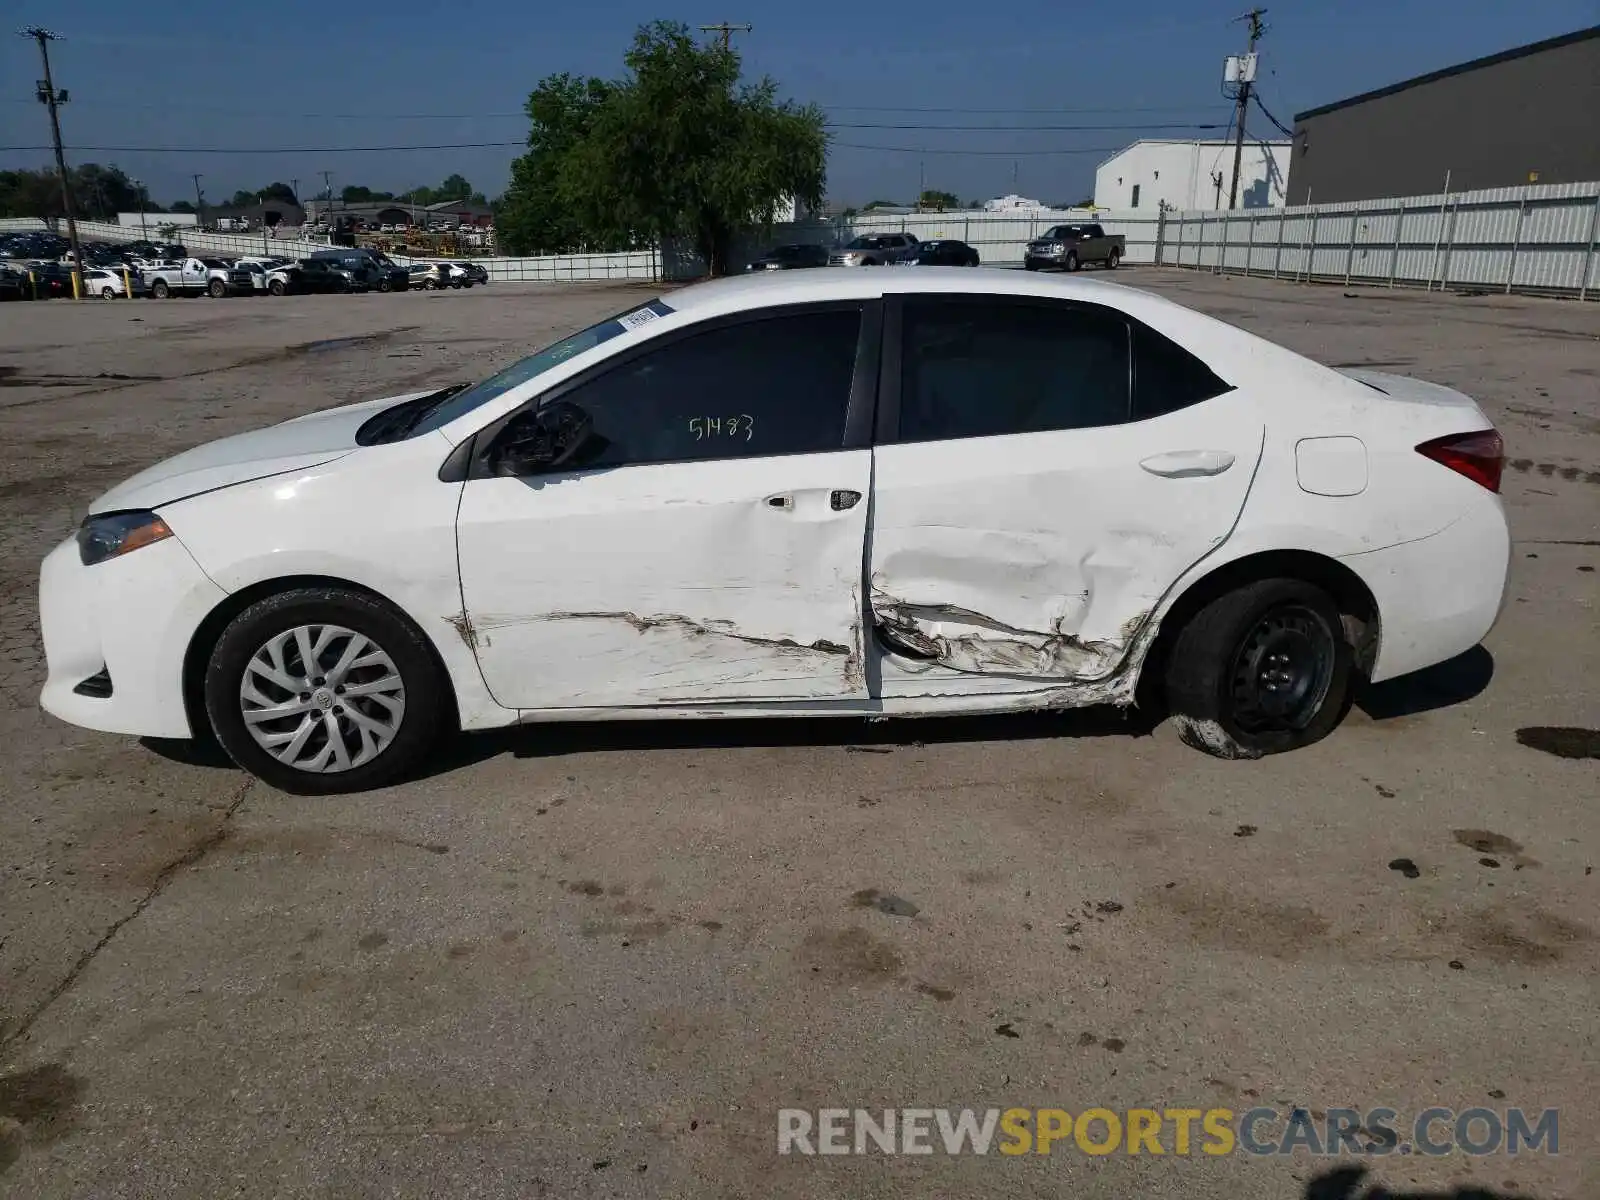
x,y
1028,560
678,583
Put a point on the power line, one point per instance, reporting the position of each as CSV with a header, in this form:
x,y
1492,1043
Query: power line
x,y
1136,126
995,153
1282,128
270,150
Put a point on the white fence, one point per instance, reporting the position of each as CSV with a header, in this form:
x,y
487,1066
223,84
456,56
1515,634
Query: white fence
x,y
1529,239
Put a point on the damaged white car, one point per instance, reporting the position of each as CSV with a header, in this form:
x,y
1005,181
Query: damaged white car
x,y
950,491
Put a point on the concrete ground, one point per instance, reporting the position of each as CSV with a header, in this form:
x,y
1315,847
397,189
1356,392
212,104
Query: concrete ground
x,y
596,960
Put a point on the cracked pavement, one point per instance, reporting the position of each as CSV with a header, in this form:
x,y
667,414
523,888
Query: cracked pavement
x,y
589,960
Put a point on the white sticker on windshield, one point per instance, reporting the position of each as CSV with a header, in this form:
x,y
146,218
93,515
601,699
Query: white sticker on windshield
x,y
640,317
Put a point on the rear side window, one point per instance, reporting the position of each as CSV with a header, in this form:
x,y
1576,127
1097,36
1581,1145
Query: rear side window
x,y
1166,377
779,385
981,368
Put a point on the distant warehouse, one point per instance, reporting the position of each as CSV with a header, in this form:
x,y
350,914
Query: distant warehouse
x,y
1523,116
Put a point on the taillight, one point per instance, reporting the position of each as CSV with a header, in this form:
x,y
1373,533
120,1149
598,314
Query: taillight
x,y
1480,456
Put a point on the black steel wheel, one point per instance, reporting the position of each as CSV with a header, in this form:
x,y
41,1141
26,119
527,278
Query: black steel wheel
x,y
1260,670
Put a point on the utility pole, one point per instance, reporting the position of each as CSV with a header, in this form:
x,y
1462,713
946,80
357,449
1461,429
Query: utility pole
x,y
144,199
727,31
1247,71
199,202
53,99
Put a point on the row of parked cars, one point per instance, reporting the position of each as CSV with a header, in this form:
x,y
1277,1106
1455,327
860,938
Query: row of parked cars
x,y
869,250
1066,247
339,270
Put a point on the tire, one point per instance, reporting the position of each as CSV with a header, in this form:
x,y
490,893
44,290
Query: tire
x,y
412,713
1072,261
429,285
467,283
1216,685
218,289
384,285
160,290
277,287
1112,260
108,293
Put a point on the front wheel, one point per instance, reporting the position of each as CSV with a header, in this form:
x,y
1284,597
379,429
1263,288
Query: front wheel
x,y
1260,670
384,285
322,690
218,289
108,293
277,287
1072,262
430,286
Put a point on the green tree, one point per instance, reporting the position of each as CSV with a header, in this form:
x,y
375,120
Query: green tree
x,y
937,201
453,188
182,206
98,193
680,147
532,217
872,204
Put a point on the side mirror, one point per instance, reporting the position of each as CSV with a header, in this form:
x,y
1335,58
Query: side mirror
x,y
541,440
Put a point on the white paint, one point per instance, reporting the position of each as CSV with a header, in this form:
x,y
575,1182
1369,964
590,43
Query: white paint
x,y
1331,466
1180,174
1038,566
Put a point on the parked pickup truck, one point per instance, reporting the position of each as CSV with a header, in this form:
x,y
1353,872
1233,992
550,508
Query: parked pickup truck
x,y
198,277
1070,246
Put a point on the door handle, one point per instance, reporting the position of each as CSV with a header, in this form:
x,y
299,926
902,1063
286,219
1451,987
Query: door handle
x,y
842,499
1186,464
780,501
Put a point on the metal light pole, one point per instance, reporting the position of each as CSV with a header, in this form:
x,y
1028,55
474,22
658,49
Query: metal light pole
x,y
53,99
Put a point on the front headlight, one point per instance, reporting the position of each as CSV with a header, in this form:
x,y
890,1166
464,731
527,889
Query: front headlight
x,y
114,534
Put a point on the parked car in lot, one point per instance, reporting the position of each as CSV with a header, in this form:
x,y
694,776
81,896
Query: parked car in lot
x,y
366,269
945,252
307,275
476,273
874,250
1070,246
50,280
14,284
258,275
791,258
110,284
197,277
1062,492
428,277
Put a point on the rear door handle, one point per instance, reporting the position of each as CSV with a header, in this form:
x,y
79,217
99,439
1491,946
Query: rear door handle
x,y
842,499
1186,464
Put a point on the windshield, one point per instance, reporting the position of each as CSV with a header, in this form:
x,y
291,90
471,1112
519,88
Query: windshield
x,y
519,373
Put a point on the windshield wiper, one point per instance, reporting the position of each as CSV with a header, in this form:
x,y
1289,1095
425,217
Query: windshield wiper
x,y
397,421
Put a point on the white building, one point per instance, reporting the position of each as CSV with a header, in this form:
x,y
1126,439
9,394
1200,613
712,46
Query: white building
x,y
1185,175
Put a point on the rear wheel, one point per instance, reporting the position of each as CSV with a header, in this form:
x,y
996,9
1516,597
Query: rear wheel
x,y
108,293
323,690
1260,670
160,290
430,285
1112,260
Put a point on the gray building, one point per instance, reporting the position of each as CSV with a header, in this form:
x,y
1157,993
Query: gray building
x,y
1527,115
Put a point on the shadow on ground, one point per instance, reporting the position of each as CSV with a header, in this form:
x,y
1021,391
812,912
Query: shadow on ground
x,y
1345,1184
1453,681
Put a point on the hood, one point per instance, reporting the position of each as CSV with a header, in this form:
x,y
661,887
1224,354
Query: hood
x,y
302,442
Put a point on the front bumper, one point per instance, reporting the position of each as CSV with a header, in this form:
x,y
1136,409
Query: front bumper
x,y
130,617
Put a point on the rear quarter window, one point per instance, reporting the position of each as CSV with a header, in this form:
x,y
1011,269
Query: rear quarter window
x,y
1166,377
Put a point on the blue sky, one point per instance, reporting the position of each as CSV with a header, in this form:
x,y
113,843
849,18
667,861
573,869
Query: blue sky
x,y
307,76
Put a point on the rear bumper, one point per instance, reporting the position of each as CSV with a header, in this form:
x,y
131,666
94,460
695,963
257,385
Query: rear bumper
x,y
1438,596
131,618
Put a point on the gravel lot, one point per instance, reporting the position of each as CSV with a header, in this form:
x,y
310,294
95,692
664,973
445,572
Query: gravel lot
x,y
595,960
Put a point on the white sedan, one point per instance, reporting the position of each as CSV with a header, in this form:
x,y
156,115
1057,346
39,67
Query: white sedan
x,y
796,494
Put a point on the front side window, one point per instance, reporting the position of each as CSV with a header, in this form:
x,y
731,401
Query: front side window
x,y
982,368
773,385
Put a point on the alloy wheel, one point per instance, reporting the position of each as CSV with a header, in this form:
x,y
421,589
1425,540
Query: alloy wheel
x,y
322,698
